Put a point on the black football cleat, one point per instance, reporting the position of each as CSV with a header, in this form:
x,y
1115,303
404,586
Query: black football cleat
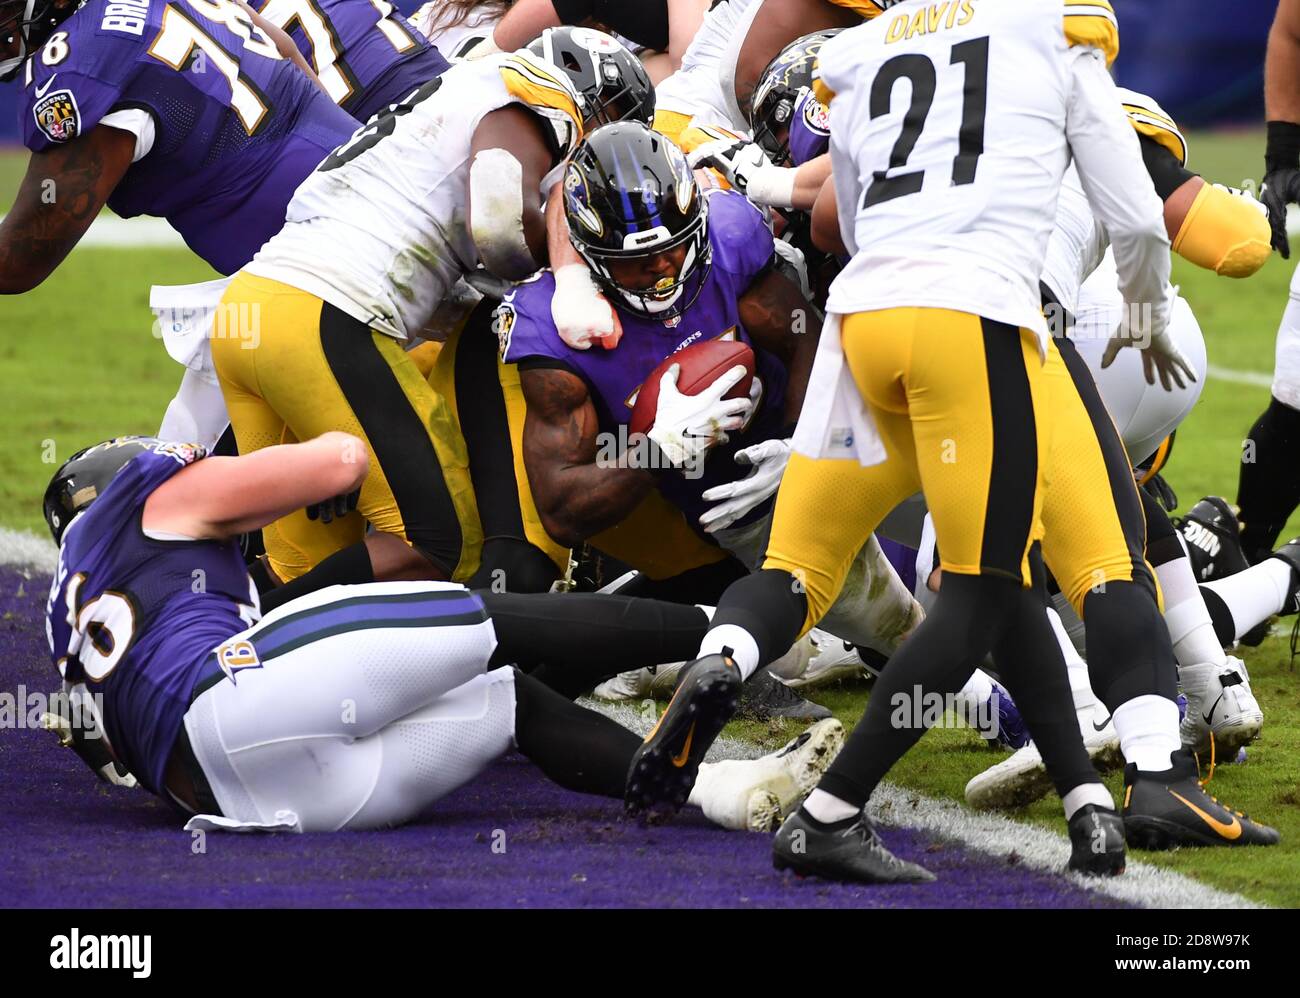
x,y
1213,536
764,697
664,768
1097,841
1169,809
1290,553
854,852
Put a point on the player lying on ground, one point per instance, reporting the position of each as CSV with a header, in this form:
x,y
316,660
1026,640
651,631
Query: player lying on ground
x,y
355,707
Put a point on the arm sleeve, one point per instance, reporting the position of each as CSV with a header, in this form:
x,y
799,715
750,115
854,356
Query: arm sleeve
x,y
1163,167
1110,166
643,21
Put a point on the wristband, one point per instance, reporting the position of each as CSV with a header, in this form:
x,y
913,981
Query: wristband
x,y
1283,149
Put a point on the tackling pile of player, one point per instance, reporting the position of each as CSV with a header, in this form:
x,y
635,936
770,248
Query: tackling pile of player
x,y
863,293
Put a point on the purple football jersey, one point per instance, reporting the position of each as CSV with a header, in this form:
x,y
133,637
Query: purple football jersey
x,y
236,128
138,619
363,51
742,250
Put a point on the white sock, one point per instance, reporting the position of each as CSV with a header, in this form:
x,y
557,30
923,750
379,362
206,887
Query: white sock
x,y
827,808
1254,595
1075,666
1148,732
744,649
1190,628
1084,794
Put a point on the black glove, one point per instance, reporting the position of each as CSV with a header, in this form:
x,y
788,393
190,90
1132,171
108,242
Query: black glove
x,y
1161,492
1281,179
339,506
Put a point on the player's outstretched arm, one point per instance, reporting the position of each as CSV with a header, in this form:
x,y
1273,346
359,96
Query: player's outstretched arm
x,y
509,156
577,494
65,187
826,234
221,497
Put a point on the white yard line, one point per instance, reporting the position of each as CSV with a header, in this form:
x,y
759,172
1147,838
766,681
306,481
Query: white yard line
x,y
1035,847
1255,378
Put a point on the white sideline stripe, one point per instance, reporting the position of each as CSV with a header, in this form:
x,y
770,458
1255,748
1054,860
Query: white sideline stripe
x,y
21,549
144,232
1142,884
1256,378
1038,848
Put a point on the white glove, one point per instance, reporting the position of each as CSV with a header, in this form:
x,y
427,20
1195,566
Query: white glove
x,y
686,426
580,312
747,168
1160,354
735,499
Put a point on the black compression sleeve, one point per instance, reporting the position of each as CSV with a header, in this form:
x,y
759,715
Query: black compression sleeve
x,y
1166,172
644,21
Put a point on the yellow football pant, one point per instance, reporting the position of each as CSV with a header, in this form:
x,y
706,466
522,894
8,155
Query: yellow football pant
x,y
957,400
292,367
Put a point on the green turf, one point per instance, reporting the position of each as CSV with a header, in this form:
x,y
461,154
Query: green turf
x,y
79,363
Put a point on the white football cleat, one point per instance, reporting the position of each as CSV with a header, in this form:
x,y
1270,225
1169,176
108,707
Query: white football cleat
x,y
1022,778
634,685
1220,703
831,658
758,794
657,683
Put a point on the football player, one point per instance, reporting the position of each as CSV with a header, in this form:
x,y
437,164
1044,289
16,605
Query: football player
x,y
923,405
1268,490
311,335
113,115
363,53
356,707
682,266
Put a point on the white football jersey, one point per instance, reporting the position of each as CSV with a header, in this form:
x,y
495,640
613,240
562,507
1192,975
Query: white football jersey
x,y
379,230
704,88
948,145
950,133
1079,241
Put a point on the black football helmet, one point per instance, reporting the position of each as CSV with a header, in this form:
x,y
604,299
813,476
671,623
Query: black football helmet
x,y
612,84
30,23
85,475
786,81
629,194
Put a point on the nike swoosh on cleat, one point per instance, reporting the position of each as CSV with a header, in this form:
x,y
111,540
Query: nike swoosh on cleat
x,y
1230,831
680,760
1102,725
1206,717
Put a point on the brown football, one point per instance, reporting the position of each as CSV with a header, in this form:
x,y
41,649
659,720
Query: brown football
x,y
701,365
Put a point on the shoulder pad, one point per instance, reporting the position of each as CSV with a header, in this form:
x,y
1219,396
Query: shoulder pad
x,y
541,87
1150,119
1093,22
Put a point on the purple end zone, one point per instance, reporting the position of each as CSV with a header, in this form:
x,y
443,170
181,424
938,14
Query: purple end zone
x,y
509,839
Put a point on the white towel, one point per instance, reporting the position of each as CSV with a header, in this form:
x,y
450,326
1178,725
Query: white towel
x,y
835,422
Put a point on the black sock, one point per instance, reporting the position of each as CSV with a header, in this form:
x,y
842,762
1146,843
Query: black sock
x,y
1030,663
968,617
1163,545
1129,653
572,641
351,566
1225,628
1268,488
770,606
577,748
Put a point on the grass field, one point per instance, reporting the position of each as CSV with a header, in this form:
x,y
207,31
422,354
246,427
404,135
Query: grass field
x,y
79,363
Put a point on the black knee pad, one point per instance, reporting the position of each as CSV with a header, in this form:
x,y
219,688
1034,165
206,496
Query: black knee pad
x,y
512,565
